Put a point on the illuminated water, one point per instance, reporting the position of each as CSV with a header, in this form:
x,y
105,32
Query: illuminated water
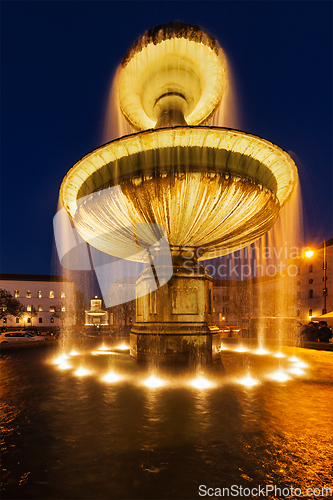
x,y
71,437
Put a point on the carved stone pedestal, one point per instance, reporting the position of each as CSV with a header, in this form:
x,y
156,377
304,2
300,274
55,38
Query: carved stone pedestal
x,y
174,324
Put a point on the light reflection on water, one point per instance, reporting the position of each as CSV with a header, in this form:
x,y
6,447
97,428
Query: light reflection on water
x,y
67,437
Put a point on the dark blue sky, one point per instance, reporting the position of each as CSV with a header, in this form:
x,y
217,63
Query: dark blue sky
x,y
58,59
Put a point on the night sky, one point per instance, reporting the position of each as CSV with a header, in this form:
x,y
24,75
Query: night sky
x,y
58,59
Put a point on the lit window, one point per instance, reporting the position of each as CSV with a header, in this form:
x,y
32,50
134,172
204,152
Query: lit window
x,y
40,308
40,320
4,308
29,307
52,309
5,320
16,294
310,294
63,309
28,294
62,295
40,294
52,320
310,268
51,294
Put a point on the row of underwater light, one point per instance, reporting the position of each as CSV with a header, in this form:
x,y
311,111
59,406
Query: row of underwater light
x,y
295,367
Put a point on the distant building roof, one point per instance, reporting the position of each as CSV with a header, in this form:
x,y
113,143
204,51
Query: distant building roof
x,y
33,277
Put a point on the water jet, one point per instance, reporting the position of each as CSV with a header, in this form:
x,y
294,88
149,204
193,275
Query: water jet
x,y
211,189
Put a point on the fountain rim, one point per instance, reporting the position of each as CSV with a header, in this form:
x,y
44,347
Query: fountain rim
x,y
83,169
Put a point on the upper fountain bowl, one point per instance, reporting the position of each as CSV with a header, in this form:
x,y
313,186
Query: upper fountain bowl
x,y
177,68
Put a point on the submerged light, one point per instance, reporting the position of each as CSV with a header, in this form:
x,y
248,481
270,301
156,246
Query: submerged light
x,y
279,376
201,383
153,382
82,372
111,377
241,349
248,381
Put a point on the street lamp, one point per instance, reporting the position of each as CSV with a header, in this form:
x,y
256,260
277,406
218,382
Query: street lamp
x,y
309,253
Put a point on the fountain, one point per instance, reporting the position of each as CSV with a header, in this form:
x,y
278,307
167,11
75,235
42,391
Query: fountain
x,y
208,189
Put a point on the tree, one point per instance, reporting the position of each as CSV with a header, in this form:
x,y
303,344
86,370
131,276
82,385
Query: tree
x,y
124,312
10,306
65,313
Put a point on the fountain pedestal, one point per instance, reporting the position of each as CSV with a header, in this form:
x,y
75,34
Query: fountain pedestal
x,y
174,324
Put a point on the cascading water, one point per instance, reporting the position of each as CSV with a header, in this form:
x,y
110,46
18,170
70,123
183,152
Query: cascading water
x,y
178,191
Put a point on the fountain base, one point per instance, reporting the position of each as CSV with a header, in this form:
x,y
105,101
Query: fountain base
x,y
174,324
176,349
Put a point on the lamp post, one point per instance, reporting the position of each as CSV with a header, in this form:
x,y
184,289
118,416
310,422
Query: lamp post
x,y
309,254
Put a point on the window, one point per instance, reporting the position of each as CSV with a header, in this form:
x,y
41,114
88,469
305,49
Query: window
x,y
310,312
29,308
310,294
5,320
311,281
52,320
4,308
63,309
29,320
62,295
40,294
40,308
40,320
17,320
52,310
16,294
310,268
51,295
28,294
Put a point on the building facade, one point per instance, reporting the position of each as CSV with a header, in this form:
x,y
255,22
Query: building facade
x,y
96,316
42,296
298,295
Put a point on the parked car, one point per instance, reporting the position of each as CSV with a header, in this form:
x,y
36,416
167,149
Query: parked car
x,y
31,329
19,336
3,329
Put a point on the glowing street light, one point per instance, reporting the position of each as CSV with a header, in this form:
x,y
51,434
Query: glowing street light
x,y
309,254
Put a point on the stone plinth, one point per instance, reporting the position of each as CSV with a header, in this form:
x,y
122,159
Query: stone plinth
x,y
174,324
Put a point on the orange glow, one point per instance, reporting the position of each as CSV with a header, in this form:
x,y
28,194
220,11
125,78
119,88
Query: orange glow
x,y
296,371
153,382
60,359
103,348
279,376
279,355
201,383
241,349
82,372
74,353
64,365
111,377
123,347
261,351
309,253
248,381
